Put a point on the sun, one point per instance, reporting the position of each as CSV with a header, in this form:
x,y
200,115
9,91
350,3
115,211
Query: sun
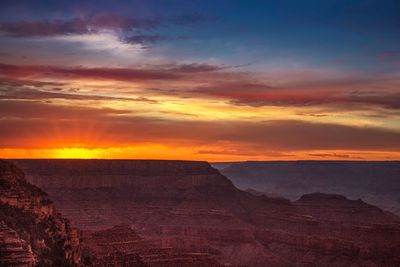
x,y
75,153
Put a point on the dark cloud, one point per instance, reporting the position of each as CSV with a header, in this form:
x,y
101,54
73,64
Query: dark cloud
x,y
145,39
240,152
334,155
17,82
33,94
121,74
196,68
389,100
40,110
289,135
93,24
253,94
85,25
166,72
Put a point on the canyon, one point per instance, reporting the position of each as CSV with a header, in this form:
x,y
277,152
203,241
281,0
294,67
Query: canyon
x,y
185,213
376,182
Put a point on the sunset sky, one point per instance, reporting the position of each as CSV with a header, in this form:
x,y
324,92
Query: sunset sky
x,y
203,80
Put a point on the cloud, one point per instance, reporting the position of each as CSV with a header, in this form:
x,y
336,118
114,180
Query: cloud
x,y
240,152
196,68
33,110
93,24
386,99
259,94
333,155
163,72
33,94
84,25
24,122
214,81
34,83
120,74
145,39
206,81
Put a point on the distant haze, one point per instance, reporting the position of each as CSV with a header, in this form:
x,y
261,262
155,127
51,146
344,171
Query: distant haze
x,y
375,182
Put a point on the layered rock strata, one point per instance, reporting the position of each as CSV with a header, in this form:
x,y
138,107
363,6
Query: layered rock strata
x,y
191,208
32,233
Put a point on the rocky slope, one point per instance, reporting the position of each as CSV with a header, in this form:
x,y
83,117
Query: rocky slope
x,y
189,211
32,233
121,245
375,182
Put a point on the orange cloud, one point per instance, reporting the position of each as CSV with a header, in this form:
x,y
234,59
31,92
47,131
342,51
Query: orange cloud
x,y
42,125
199,112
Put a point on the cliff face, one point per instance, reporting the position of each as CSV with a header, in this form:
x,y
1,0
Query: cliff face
x,y
31,232
188,211
78,174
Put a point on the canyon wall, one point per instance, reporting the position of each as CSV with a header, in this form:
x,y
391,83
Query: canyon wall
x,y
187,212
32,233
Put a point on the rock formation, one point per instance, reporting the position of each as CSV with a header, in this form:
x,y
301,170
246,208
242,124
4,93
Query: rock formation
x,y
32,233
189,211
375,182
121,245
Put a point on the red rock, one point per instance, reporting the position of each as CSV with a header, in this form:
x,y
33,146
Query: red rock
x,y
189,207
31,231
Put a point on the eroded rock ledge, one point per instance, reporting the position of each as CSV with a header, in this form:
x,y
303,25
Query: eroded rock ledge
x,y
32,233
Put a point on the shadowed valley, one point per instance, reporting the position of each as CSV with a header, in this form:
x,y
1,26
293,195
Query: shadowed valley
x,y
376,182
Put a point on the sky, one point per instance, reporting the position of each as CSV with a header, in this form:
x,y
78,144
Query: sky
x,y
200,80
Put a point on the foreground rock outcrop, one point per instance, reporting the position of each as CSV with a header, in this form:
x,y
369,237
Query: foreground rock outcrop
x,y
188,211
32,233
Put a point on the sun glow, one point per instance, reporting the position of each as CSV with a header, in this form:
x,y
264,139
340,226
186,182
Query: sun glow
x,y
75,153
208,153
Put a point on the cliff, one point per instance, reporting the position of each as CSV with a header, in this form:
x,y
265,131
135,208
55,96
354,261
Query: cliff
x,y
32,233
189,212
